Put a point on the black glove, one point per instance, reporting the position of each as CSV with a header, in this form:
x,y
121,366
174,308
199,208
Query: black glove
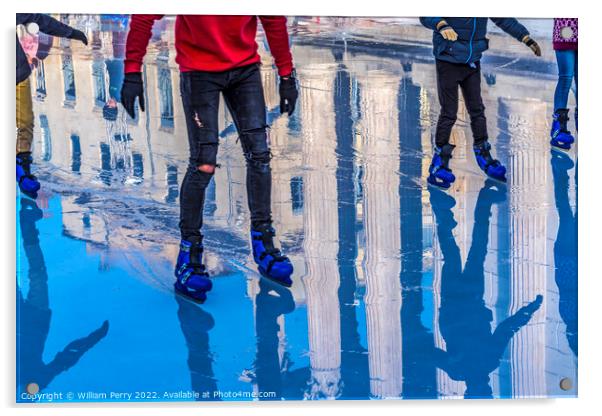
x,y
132,87
533,45
288,94
79,35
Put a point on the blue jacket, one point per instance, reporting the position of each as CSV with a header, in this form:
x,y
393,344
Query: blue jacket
x,y
47,25
472,40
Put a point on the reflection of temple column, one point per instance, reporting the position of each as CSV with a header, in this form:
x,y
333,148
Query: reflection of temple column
x,y
528,173
320,218
419,375
354,360
380,149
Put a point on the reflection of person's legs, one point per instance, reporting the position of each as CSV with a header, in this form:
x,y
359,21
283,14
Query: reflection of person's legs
x,y
244,97
474,269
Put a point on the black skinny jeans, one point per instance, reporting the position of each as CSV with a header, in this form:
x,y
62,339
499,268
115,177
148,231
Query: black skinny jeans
x,y
243,95
449,77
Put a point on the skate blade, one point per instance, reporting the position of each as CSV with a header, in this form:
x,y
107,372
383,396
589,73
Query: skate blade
x,y
439,187
497,180
188,297
560,149
31,195
278,282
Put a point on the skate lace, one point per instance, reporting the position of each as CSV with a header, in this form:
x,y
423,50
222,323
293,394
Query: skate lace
x,y
486,154
268,242
195,264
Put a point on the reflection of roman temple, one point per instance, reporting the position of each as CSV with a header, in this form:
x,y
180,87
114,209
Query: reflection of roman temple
x,y
320,219
378,127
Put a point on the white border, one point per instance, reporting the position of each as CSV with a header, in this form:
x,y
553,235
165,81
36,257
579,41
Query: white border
x,y
590,179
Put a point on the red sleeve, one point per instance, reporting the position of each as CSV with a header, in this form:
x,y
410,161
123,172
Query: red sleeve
x,y
141,26
277,35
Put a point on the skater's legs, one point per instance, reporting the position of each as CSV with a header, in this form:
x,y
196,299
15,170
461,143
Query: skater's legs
x,y
244,97
567,65
24,116
200,97
447,89
471,90
576,88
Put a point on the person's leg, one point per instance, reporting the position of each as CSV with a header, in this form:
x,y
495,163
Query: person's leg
x,y
471,91
200,97
566,72
24,117
245,100
447,90
28,183
576,89
244,97
560,135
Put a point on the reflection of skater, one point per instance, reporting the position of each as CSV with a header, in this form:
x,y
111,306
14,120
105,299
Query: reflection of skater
x,y
271,364
196,324
28,183
218,55
458,44
565,247
33,314
565,44
472,349
115,67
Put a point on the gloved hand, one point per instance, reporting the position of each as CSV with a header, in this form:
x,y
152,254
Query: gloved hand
x,y
79,35
447,31
532,44
132,87
288,94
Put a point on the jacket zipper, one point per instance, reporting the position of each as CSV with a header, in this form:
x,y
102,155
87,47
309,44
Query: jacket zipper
x,y
474,28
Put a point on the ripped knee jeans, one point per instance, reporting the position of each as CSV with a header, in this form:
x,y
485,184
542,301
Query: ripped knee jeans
x,y
243,94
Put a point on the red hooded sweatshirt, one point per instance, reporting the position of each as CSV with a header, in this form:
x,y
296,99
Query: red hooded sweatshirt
x,y
212,43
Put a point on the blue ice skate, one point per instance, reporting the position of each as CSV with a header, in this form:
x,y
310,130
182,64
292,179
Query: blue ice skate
x,y
440,174
28,183
561,137
270,261
492,167
192,279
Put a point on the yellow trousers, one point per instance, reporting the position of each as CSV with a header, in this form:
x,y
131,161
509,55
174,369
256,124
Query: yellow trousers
x,y
24,117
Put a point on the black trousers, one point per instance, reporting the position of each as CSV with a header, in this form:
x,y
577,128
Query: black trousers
x,y
450,76
243,94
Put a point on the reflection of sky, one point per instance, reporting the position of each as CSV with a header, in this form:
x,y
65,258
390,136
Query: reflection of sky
x,y
372,283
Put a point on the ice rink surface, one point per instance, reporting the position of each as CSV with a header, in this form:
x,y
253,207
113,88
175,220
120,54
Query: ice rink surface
x,y
400,291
